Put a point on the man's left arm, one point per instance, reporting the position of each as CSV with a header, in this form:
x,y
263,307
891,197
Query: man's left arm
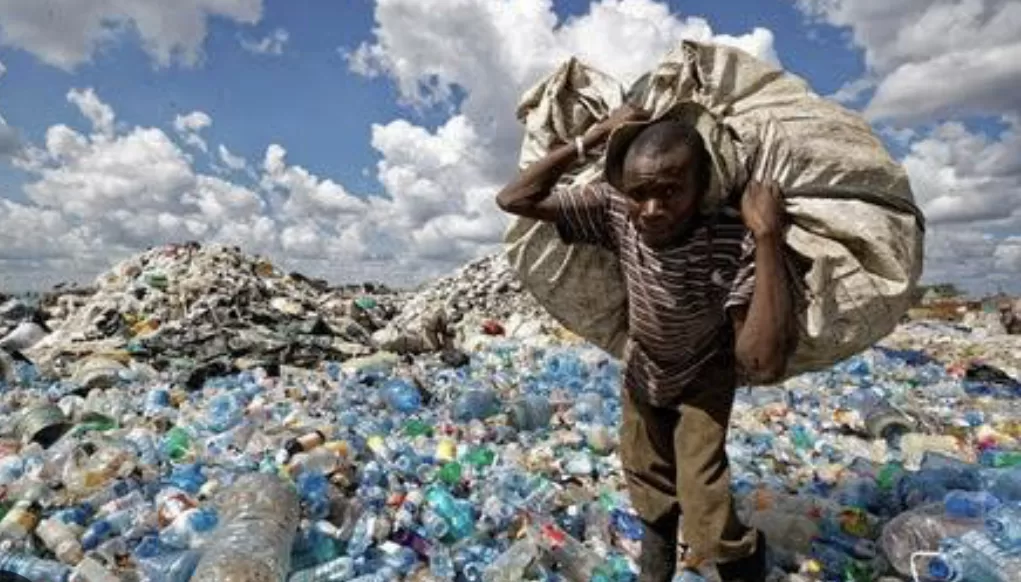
x,y
763,325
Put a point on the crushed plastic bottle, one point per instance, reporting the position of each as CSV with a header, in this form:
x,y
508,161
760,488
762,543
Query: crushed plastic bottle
x,y
259,518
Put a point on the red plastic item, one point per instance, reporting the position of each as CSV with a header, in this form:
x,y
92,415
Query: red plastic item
x,y
491,327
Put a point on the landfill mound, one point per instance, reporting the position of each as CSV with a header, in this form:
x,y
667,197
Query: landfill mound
x,y
208,304
484,289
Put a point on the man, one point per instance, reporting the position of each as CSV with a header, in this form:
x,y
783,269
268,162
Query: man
x,y
708,303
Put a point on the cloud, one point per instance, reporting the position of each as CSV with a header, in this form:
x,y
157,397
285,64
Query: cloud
x,y
980,81
851,91
10,141
120,191
271,44
969,186
67,34
441,182
190,126
933,57
230,160
961,176
98,113
936,63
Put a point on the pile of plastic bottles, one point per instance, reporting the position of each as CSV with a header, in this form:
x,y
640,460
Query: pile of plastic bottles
x,y
504,469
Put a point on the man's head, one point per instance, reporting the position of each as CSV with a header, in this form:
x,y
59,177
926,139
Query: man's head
x,y
666,173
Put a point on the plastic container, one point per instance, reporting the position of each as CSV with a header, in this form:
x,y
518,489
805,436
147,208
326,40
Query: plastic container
x,y
259,517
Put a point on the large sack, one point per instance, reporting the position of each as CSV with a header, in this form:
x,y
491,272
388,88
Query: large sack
x,y
850,204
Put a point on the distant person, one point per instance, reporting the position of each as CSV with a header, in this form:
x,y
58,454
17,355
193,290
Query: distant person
x,y
709,306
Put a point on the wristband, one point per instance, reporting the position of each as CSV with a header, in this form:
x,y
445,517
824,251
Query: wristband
x,y
579,146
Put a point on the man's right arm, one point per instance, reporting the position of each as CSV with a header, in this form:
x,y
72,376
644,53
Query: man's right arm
x,y
531,194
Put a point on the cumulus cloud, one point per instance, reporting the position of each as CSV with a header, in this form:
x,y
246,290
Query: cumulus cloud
x,y
969,186
271,44
230,160
67,34
934,63
933,57
120,189
190,127
441,183
98,113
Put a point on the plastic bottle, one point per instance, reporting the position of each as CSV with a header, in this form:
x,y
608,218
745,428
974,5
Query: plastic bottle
x,y
969,504
920,530
974,557
1004,526
402,396
20,521
177,444
91,570
361,536
441,565
189,529
223,412
60,539
339,569
113,525
512,564
476,404
33,569
577,563
458,516
532,412
259,517
172,567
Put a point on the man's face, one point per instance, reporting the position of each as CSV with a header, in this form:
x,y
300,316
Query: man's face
x,y
663,193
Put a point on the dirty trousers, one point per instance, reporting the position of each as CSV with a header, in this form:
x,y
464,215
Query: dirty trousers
x,y
677,456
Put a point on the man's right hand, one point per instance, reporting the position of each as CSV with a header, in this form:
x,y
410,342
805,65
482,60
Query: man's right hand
x,y
626,113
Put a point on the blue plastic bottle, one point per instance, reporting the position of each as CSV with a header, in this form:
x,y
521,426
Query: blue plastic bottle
x,y
33,569
402,396
969,504
973,557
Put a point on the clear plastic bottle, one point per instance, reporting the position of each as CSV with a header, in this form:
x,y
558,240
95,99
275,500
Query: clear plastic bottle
x,y
33,569
19,522
441,564
175,567
59,538
258,519
974,557
1004,526
339,569
919,530
512,564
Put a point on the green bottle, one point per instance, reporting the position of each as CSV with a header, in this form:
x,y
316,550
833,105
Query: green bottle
x,y
415,427
177,444
451,473
480,457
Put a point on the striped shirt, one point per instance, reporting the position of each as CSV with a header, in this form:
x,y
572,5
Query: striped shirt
x,y
678,296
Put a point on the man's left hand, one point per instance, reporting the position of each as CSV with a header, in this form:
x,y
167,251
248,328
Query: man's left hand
x,y
762,209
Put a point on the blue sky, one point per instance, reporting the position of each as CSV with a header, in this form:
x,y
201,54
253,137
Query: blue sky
x,y
308,99
309,102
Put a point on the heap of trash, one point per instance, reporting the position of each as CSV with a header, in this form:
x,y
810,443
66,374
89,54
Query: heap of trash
x,y
208,308
309,461
482,293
